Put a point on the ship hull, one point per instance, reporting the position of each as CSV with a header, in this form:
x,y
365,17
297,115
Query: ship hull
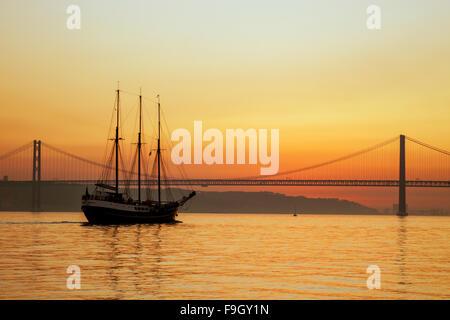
x,y
109,215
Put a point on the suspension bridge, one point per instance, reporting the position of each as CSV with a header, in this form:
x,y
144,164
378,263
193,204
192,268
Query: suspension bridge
x,y
399,162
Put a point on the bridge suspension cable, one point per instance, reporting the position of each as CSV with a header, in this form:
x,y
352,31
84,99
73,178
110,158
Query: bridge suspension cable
x,y
322,164
17,150
428,146
381,164
73,156
100,165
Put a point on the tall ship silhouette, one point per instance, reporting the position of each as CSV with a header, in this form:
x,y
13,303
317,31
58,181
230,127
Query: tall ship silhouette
x,y
108,205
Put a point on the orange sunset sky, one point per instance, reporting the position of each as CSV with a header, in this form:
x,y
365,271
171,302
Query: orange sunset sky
x,y
311,69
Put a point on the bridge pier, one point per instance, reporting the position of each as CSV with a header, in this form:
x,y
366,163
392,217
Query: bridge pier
x,y
402,180
36,182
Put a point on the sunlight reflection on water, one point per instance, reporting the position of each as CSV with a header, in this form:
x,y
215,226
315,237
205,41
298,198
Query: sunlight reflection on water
x,y
219,256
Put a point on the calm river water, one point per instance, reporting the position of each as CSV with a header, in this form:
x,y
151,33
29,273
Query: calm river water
x,y
220,256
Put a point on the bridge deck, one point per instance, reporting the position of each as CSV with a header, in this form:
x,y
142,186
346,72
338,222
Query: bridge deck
x,y
268,182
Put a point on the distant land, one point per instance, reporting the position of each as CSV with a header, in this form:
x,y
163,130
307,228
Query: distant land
x,y
16,196
269,202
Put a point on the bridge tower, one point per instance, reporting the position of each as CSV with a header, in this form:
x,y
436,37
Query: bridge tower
x,y
36,183
402,180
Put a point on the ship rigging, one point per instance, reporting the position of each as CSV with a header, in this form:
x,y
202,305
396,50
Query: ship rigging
x,y
107,205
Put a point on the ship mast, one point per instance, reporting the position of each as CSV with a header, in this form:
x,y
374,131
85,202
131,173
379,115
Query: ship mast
x,y
139,147
116,141
159,153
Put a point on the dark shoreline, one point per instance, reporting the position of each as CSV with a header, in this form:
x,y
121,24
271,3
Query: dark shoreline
x,y
63,197
256,213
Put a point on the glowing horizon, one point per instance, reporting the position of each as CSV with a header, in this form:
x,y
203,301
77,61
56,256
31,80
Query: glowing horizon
x,y
310,69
